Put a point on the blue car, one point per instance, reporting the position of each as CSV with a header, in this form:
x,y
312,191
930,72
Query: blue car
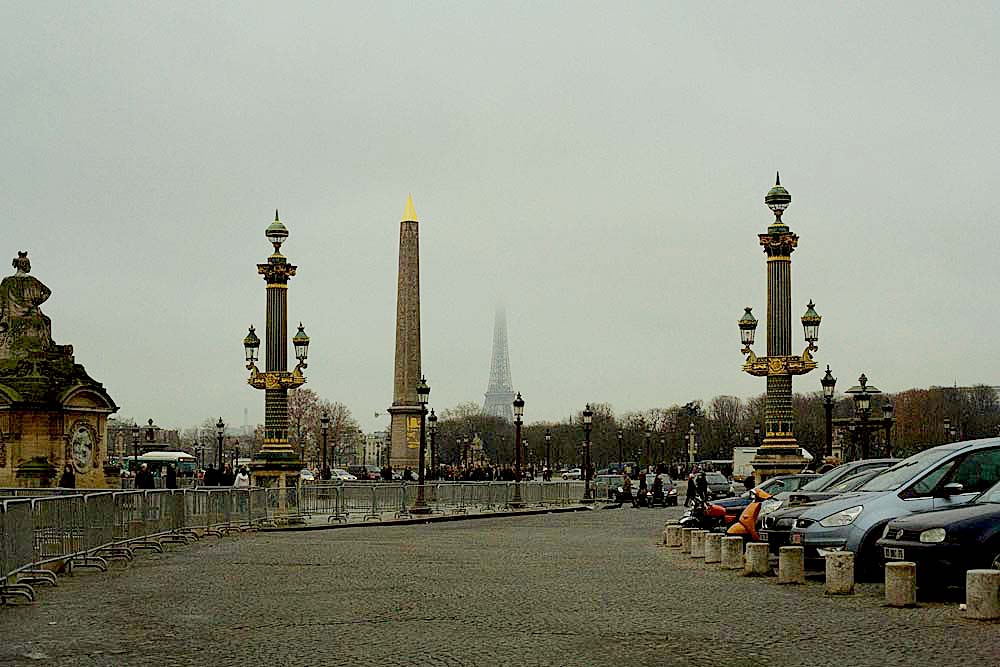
x,y
937,478
946,543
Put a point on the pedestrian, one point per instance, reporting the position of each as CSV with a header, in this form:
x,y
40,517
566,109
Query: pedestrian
x,y
692,490
211,476
242,480
68,479
227,477
749,482
144,478
171,477
703,486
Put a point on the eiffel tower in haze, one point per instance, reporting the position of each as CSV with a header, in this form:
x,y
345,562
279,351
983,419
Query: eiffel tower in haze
x,y
500,392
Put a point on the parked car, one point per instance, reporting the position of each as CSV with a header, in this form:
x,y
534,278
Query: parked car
x,y
776,527
735,505
816,489
342,475
718,485
945,476
572,473
307,475
946,543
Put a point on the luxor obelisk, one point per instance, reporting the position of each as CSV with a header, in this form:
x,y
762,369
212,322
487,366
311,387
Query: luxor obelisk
x,y
406,409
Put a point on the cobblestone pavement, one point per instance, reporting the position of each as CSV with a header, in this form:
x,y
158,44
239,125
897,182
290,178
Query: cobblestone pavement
x,y
584,588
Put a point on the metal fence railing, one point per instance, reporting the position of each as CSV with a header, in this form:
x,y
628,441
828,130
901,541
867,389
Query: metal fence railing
x,y
39,527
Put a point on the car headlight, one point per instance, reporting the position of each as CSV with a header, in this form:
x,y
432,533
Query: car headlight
x,y
932,536
770,505
885,531
672,492
842,518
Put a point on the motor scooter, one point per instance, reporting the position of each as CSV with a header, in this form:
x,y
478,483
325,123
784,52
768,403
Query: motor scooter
x,y
746,525
704,515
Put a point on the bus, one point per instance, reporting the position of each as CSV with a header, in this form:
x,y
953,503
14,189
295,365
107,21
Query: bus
x,y
157,462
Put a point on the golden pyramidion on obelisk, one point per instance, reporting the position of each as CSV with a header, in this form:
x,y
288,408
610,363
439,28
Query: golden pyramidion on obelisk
x,y
406,409
410,213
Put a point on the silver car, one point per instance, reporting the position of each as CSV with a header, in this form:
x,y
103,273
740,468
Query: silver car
x,y
939,477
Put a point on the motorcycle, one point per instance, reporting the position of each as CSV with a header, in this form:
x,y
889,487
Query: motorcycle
x,y
704,515
746,525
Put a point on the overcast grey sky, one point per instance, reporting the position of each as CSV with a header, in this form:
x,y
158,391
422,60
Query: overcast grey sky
x,y
598,167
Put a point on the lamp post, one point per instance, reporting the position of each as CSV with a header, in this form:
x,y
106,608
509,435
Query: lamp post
x,y
548,450
518,414
828,383
780,452
756,435
950,430
276,462
324,428
621,452
663,451
220,429
646,453
423,393
199,452
135,450
692,445
236,454
433,426
887,422
862,395
588,418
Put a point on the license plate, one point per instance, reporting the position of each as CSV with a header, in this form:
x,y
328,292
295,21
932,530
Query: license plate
x,y
763,536
796,538
893,553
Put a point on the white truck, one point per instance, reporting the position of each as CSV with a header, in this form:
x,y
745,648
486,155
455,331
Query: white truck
x,y
741,462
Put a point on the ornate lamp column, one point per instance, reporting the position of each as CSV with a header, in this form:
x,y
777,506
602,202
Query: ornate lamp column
x,y
828,383
588,419
324,428
220,432
432,418
862,395
548,450
423,393
277,463
518,414
780,453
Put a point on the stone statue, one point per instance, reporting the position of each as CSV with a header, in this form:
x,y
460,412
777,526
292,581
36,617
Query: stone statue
x,y
23,326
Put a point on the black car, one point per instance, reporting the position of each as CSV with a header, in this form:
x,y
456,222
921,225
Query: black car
x,y
945,543
776,527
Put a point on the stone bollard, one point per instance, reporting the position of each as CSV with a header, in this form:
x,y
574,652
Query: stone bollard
x,y
666,537
673,536
982,601
792,565
732,553
840,573
698,543
901,584
686,539
713,547
757,564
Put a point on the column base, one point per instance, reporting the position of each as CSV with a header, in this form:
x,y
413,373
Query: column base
x,y
778,458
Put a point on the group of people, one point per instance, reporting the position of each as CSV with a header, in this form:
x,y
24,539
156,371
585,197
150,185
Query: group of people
x,y
656,489
211,476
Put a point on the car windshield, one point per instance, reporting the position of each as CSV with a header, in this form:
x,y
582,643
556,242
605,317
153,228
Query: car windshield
x,y
902,472
821,482
855,482
990,495
716,478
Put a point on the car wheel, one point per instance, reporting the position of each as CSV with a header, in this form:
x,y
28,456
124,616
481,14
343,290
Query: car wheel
x,y
869,565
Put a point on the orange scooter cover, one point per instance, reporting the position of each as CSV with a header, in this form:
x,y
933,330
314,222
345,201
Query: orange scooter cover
x,y
747,523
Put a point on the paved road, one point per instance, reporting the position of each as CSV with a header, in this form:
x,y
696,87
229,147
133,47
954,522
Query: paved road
x,y
588,588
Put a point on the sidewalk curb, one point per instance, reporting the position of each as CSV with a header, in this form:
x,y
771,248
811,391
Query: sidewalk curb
x,y
426,519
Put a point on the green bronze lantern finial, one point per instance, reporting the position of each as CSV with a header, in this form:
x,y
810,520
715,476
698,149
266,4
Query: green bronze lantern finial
x,y
276,232
777,199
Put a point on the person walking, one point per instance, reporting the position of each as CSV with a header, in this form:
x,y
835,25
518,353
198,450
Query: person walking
x,y
242,480
692,490
144,478
68,479
171,477
702,483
